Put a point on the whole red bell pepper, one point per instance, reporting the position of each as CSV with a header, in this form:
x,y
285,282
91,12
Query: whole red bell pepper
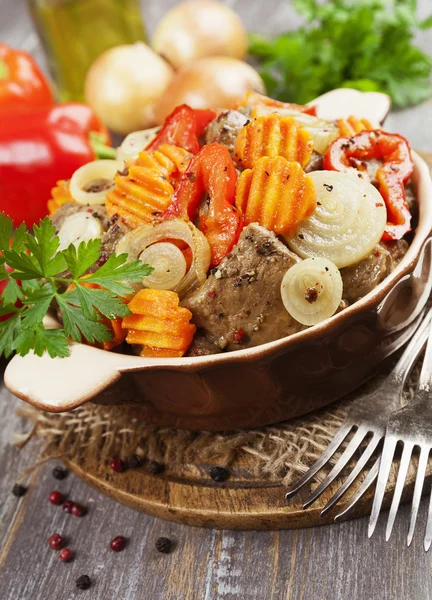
x,y
39,147
211,172
22,83
352,154
183,128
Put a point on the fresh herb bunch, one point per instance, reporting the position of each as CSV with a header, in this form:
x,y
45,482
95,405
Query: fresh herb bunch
x,y
39,276
362,44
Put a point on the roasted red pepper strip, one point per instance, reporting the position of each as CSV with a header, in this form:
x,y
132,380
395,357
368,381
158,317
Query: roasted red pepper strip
x,y
182,128
253,99
210,172
39,147
350,154
22,83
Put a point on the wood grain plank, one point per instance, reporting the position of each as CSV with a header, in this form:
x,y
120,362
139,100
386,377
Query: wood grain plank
x,y
330,562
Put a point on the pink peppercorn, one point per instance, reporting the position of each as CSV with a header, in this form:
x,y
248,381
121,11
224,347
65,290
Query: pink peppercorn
x,y
56,498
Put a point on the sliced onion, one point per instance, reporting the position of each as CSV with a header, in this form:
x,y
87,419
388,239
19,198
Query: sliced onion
x,y
135,142
348,222
323,132
79,227
169,266
312,290
136,241
97,172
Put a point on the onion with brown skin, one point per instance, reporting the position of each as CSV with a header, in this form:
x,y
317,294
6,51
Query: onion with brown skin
x,y
215,82
199,28
124,84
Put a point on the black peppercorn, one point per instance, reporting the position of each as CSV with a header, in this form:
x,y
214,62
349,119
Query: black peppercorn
x,y
59,473
163,545
155,467
219,474
83,582
19,490
135,461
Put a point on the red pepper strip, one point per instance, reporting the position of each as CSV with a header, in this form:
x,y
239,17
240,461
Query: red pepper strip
x,y
348,154
253,99
22,83
182,128
210,172
203,117
37,148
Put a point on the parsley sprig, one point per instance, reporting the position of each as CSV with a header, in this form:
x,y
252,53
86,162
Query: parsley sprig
x,y
44,273
362,44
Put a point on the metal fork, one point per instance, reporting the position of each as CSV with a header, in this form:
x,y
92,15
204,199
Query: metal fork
x,y
368,415
411,426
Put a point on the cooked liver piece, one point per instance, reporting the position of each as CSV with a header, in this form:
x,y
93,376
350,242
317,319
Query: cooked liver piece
x,y
315,163
202,345
225,128
240,304
363,277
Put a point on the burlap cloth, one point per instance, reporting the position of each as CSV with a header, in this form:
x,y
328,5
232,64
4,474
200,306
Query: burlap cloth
x,y
281,452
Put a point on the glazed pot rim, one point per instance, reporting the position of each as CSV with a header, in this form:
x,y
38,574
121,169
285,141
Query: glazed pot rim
x,y
423,185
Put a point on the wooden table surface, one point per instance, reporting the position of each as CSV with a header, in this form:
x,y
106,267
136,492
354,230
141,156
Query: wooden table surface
x,y
335,562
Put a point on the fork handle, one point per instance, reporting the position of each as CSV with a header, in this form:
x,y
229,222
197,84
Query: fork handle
x,y
425,381
411,352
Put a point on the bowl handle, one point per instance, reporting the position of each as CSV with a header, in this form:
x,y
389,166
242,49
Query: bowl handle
x,y
61,384
343,102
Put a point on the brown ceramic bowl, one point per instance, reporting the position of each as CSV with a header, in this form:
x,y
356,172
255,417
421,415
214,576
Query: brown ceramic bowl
x,y
247,388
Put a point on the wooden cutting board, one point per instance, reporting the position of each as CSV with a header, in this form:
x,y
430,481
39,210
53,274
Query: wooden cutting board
x,y
245,501
188,495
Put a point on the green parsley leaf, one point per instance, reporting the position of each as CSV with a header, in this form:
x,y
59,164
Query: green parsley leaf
x,y
365,44
80,259
25,266
44,246
9,331
114,274
104,301
19,237
42,340
34,314
51,340
47,274
6,228
12,292
77,325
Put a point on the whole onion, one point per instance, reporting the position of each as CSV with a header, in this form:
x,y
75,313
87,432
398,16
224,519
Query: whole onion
x,y
198,28
124,84
215,82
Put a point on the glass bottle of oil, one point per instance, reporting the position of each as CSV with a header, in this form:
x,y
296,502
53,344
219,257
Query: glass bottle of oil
x,y
75,32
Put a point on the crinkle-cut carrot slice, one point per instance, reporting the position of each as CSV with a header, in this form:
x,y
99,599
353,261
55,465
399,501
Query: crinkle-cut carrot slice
x,y
159,340
170,160
158,322
139,195
271,136
161,353
352,125
276,193
60,194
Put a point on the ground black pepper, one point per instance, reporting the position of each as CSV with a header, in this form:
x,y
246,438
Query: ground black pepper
x,y
59,473
135,461
311,295
154,467
19,490
83,582
163,545
219,474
